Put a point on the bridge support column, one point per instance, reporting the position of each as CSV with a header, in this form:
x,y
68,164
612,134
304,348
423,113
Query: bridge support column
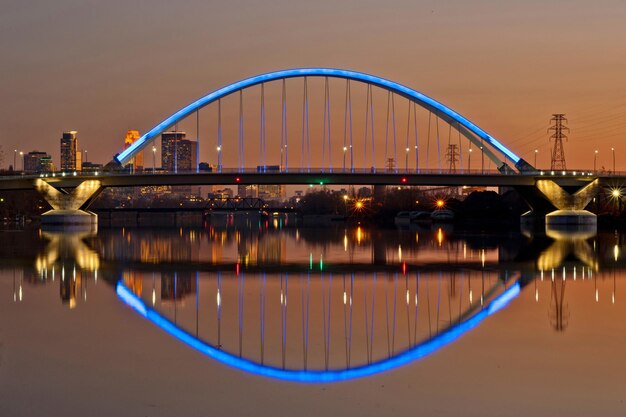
x,y
570,207
69,208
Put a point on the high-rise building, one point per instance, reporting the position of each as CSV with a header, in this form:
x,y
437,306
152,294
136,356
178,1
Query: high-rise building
x,y
130,138
37,162
69,151
177,153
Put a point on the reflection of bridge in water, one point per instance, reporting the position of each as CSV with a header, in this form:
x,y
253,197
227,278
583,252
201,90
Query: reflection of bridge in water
x,y
288,315
320,328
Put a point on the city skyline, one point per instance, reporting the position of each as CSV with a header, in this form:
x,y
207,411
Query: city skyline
x,y
505,67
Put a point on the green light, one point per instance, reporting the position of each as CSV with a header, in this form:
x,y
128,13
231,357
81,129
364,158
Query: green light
x,y
321,263
321,182
311,260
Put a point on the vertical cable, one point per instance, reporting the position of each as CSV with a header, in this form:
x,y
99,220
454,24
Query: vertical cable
x,y
197,141
408,132
438,144
393,123
176,148
324,123
372,123
417,164
219,135
367,111
387,130
350,116
284,136
305,127
241,133
460,147
262,142
330,153
345,129
430,114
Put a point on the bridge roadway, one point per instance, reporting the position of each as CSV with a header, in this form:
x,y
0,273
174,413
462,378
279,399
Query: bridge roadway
x,y
336,177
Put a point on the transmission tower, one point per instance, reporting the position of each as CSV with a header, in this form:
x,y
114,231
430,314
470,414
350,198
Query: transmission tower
x,y
452,156
557,160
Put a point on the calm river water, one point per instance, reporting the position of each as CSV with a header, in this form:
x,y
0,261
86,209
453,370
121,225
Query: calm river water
x,y
248,316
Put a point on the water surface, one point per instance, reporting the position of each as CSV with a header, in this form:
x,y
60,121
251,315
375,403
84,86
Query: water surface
x,y
250,316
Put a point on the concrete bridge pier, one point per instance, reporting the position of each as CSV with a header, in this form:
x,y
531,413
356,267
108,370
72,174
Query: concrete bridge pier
x,y
69,208
559,208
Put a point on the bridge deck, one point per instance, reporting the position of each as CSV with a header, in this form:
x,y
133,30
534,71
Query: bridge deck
x,y
338,177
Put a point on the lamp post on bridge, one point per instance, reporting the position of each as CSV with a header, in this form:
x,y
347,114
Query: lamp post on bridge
x,y
406,162
219,158
613,151
153,159
595,160
482,161
469,160
15,160
345,148
536,152
22,156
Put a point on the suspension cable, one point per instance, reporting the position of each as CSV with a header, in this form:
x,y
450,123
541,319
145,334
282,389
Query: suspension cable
x,y
283,133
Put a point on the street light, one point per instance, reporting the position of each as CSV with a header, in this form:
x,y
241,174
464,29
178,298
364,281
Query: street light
x,y
595,159
482,160
219,158
22,155
469,160
153,159
613,151
345,148
536,152
617,195
406,162
15,160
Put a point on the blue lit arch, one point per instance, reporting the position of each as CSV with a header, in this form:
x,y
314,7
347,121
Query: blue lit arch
x,y
319,376
467,128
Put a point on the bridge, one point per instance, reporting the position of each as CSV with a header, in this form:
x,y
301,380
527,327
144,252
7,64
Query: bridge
x,y
396,138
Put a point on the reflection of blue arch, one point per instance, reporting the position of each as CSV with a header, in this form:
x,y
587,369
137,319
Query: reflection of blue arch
x,y
318,376
466,127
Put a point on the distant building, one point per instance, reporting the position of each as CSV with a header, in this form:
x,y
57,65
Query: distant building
x,y
90,167
221,194
177,153
46,164
248,190
70,157
37,162
137,161
271,192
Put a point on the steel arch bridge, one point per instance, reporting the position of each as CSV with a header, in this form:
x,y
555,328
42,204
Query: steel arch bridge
x,y
488,145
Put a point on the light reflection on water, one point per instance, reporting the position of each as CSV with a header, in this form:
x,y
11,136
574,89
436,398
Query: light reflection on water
x,y
293,302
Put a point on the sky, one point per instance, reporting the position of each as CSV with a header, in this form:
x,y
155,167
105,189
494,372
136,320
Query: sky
x,y
103,67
